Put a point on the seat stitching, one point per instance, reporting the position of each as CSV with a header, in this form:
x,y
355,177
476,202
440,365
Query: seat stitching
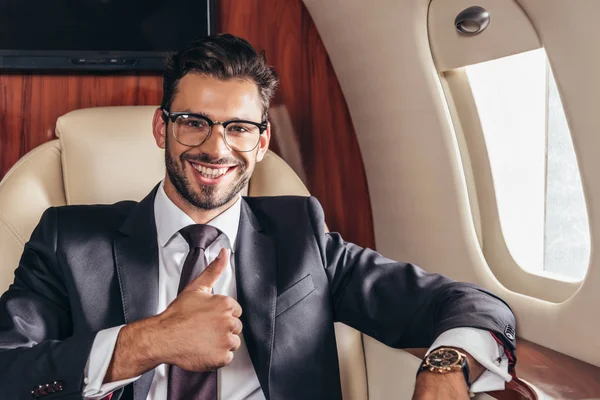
x,y
13,235
11,228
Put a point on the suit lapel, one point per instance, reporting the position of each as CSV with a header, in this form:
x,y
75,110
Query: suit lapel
x,y
136,259
256,272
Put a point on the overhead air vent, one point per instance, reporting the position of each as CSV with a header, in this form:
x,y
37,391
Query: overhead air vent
x,y
472,20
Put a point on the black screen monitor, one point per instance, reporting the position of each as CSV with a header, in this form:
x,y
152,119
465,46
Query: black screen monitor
x,y
98,34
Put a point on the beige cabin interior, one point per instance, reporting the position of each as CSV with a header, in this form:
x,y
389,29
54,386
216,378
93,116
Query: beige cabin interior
x,y
429,185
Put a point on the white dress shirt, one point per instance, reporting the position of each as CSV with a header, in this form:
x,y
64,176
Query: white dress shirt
x,y
238,380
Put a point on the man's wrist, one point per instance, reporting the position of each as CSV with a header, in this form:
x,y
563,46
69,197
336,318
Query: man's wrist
x,y
137,350
474,368
434,385
447,372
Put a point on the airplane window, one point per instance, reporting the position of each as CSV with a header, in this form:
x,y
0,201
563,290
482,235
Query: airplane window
x,y
536,177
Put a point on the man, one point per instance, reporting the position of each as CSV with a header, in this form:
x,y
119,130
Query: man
x,y
196,293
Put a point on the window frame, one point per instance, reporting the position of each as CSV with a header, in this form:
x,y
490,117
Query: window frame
x,y
482,198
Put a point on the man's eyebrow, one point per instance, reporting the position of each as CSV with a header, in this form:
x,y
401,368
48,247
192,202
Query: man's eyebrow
x,y
234,118
188,111
240,118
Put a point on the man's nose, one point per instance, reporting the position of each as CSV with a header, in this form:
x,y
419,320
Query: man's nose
x,y
215,144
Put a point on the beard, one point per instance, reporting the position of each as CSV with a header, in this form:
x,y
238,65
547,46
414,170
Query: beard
x,y
210,196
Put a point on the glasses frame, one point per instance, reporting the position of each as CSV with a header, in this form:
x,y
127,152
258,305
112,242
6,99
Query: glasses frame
x,y
172,116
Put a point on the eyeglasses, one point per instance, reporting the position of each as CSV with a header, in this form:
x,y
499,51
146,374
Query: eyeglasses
x,y
193,130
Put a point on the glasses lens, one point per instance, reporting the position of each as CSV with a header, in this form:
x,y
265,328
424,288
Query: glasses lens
x,y
242,136
191,130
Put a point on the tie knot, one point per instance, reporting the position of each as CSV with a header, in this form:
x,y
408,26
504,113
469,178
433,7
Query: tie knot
x,y
200,235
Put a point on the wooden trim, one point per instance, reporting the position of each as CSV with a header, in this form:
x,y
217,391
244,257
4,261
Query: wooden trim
x,y
556,375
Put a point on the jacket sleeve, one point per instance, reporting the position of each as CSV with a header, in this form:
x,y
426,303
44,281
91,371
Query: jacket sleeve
x,y
399,304
37,345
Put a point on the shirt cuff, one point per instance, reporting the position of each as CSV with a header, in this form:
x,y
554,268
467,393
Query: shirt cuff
x,y
484,349
98,363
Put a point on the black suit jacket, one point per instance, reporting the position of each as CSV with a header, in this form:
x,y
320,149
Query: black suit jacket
x,y
87,268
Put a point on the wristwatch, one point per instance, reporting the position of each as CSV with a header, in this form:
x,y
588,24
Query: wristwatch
x,y
443,360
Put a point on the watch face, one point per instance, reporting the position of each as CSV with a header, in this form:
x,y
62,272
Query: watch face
x,y
443,358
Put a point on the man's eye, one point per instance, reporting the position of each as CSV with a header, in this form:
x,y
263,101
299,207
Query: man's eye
x,y
238,129
194,123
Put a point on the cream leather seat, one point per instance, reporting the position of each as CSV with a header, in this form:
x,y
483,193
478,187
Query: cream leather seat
x,y
98,154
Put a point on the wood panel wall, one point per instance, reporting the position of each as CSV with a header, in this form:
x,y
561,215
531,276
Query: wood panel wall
x,y
323,141
30,104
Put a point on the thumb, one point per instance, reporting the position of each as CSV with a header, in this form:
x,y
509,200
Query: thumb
x,y
211,273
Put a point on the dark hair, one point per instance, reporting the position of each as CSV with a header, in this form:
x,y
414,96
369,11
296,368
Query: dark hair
x,y
224,57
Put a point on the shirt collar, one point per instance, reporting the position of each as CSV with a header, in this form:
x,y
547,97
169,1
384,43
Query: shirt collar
x,y
170,219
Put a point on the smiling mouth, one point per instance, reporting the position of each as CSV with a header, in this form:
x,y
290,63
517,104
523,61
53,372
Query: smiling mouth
x,y
212,173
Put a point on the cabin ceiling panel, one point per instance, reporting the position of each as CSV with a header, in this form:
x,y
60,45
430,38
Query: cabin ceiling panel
x,y
509,32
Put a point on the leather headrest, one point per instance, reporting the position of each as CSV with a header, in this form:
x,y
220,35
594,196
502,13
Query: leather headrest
x,y
109,154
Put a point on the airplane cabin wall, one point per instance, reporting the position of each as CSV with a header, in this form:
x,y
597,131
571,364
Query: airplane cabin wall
x,y
421,210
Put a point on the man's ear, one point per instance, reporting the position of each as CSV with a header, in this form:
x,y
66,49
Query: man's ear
x,y
263,145
159,128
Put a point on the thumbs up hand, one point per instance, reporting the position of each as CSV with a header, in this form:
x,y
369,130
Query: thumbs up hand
x,y
200,330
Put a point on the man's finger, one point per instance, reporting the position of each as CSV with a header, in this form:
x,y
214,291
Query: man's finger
x,y
209,276
237,310
238,329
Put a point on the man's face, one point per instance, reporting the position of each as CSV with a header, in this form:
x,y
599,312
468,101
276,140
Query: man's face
x,y
186,166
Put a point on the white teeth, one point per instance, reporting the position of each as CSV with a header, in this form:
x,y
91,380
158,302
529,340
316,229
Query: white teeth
x,y
210,172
